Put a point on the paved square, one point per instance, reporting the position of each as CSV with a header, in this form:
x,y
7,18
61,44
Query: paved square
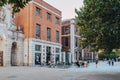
x,y
103,72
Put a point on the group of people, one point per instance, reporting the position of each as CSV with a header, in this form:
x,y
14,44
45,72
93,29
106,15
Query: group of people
x,y
111,62
82,63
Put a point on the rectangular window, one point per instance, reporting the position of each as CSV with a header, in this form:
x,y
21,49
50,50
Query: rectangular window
x,y
48,16
66,41
67,28
48,34
37,47
62,30
63,41
57,20
37,30
37,11
57,50
57,36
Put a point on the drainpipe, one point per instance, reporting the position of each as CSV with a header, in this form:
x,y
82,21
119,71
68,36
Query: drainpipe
x,y
28,31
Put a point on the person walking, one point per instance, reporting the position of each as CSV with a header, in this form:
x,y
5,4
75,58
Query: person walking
x,y
109,62
96,62
112,62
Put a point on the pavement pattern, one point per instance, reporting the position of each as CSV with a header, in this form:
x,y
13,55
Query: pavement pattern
x,y
102,72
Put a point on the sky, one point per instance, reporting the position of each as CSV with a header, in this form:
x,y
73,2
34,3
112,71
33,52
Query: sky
x,y
67,7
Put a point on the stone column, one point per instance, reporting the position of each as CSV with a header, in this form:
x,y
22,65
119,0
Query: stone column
x,y
60,55
63,57
7,56
42,54
70,57
96,55
78,55
82,54
72,40
25,52
52,56
92,56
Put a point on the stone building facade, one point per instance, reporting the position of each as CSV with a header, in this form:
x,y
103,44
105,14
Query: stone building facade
x,y
11,40
41,24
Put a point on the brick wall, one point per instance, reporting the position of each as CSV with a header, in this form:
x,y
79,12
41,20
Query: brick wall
x,y
28,19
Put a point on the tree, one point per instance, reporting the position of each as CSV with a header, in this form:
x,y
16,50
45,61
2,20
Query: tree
x,y
99,24
16,4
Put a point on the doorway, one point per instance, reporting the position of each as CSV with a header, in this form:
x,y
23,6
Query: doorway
x,y
57,59
37,58
48,55
2,47
1,58
14,54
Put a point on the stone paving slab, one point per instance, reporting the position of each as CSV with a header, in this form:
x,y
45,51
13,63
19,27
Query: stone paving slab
x,y
103,72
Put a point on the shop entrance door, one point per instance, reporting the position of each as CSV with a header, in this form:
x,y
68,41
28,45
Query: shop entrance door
x,y
48,55
37,58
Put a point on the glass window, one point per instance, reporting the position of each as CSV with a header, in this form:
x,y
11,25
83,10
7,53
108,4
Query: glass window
x,y
37,11
57,58
37,30
57,50
57,36
37,58
57,20
67,28
63,43
48,34
66,41
48,16
37,47
62,30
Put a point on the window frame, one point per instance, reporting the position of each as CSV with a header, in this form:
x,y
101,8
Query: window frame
x,y
57,20
38,12
67,28
66,41
48,34
57,50
37,33
57,36
37,46
49,16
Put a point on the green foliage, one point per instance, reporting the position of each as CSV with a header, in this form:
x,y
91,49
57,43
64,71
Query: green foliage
x,y
110,55
99,24
16,4
117,51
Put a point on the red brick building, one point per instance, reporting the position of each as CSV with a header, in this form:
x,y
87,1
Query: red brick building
x,y
41,24
70,43
70,38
